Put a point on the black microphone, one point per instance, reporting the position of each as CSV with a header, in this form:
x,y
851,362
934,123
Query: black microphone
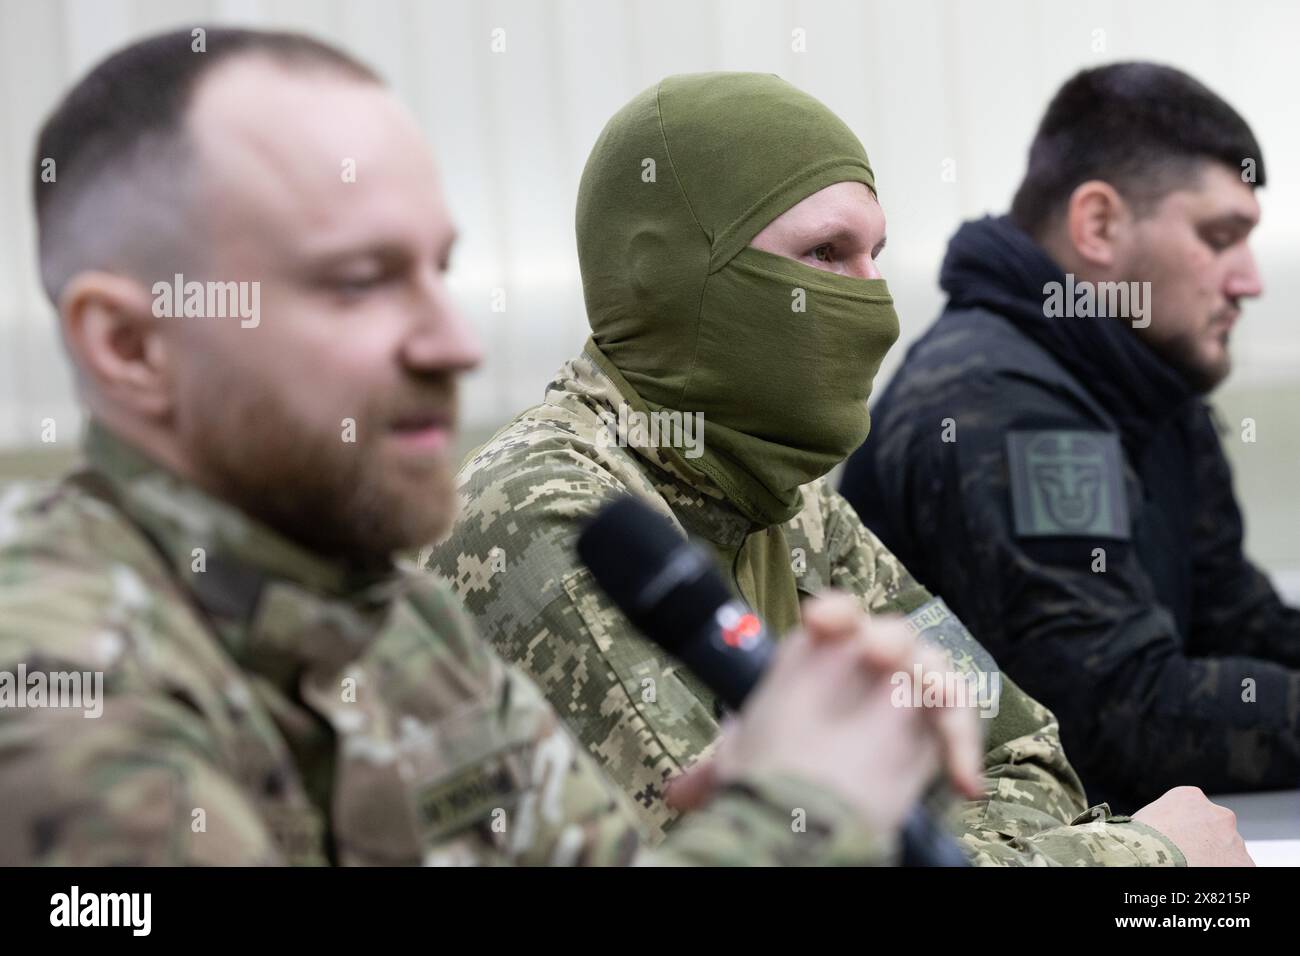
x,y
672,591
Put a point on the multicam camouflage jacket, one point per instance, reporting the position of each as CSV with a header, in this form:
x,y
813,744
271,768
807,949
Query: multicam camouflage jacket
x,y
511,560
257,704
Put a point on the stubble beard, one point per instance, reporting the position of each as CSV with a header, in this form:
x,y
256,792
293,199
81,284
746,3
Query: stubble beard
x,y
326,494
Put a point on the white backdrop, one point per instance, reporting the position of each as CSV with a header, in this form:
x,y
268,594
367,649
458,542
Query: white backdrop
x,y
923,82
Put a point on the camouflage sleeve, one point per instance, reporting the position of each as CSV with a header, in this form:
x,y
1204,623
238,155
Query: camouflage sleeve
x,y
1237,611
512,563
572,814
1034,811
124,778
773,821
128,788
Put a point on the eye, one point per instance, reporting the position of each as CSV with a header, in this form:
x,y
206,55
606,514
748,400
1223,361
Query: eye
x,y
356,284
1220,240
823,253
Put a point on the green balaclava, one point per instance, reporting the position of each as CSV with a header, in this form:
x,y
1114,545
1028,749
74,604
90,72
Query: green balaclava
x,y
686,316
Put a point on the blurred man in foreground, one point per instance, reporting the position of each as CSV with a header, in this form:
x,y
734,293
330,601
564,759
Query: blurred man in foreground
x,y
269,357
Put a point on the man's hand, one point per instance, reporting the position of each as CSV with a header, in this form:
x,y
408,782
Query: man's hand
x,y
824,713
1204,831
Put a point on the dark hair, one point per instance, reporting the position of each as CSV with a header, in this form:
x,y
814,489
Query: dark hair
x,y
135,101
1141,127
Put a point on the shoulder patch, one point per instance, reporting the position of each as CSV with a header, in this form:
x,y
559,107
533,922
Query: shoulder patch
x,y
1067,484
933,622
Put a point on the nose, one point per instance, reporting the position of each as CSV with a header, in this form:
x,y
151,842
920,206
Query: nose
x,y
864,267
440,338
1243,280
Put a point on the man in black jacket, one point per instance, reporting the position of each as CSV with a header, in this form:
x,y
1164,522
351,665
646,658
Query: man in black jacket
x,y
1045,459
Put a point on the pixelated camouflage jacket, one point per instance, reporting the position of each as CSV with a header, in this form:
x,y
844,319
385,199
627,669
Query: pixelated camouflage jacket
x,y
261,705
511,560
1082,522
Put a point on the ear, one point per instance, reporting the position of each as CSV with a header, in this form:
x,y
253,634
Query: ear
x,y
1095,219
117,343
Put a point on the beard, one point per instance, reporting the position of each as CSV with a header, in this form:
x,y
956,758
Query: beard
x,y
1186,355
333,497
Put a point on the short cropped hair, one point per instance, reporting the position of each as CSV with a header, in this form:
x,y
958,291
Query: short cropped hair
x,y
1142,127
125,120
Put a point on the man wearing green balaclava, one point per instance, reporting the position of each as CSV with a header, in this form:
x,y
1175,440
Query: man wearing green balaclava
x,y
728,226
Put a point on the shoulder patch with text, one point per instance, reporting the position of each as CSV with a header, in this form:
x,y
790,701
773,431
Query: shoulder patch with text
x,y
933,622
1067,483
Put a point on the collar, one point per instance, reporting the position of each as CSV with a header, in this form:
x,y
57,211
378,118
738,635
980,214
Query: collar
x,y
992,263
698,504
278,608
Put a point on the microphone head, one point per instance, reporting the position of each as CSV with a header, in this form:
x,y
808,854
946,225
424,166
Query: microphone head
x,y
624,544
667,586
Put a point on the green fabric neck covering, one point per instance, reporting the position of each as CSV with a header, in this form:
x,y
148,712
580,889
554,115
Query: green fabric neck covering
x,y
763,575
695,320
